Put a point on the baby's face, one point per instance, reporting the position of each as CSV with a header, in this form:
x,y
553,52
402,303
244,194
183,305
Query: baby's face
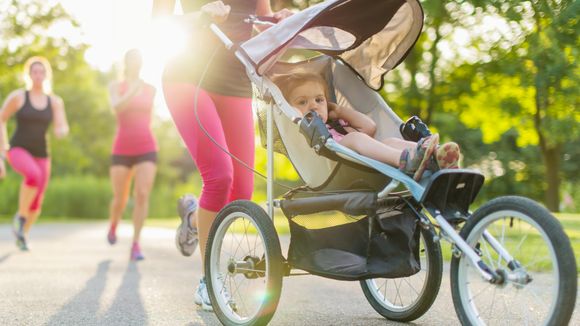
x,y
310,97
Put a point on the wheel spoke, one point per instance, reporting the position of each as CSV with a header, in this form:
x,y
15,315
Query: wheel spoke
x,y
411,286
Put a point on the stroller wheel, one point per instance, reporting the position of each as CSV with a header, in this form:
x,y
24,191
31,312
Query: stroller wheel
x,y
537,286
408,298
243,265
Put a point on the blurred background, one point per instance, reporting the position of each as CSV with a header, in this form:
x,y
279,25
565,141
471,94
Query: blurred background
x,y
499,77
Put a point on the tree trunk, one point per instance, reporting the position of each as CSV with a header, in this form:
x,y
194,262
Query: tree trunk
x,y
431,97
551,158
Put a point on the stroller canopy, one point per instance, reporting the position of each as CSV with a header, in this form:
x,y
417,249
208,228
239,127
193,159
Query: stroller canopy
x,y
371,36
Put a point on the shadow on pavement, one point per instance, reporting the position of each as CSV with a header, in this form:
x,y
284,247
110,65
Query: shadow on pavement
x,y
83,307
4,258
127,307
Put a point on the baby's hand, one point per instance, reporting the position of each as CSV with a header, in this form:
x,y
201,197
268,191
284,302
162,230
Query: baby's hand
x,y
334,111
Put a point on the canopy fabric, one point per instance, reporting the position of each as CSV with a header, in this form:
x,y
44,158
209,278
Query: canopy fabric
x,y
370,36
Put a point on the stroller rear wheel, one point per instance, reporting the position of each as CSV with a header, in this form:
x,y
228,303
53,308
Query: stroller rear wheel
x,y
408,298
243,260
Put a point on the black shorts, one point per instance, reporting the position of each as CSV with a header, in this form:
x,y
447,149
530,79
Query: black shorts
x,y
130,160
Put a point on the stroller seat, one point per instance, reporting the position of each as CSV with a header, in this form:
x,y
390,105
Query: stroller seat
x,y
347,90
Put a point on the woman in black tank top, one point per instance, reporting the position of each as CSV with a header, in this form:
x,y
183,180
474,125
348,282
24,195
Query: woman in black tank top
x,y
224,108
34,109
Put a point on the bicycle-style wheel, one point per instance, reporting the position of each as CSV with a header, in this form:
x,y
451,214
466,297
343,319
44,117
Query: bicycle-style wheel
x,y
538,287
408,298
243,265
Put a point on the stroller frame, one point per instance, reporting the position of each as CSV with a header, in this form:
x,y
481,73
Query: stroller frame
x,y
445,196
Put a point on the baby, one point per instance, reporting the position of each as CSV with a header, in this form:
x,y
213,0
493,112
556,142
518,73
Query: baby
x,y
308,92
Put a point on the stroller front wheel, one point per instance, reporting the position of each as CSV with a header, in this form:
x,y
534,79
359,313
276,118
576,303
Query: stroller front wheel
x,y
243,265
537,287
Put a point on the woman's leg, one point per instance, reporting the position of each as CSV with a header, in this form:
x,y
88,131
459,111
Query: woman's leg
x,y
24,164
238,124
144,179
121,185
36,205
214,165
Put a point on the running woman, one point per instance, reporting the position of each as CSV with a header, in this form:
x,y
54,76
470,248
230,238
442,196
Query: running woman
x,y
224,109
34,107
134,149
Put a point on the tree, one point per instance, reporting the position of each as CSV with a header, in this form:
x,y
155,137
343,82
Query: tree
x,y
537,80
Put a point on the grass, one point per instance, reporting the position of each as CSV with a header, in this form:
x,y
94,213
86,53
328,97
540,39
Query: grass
x,y
569,221
534,245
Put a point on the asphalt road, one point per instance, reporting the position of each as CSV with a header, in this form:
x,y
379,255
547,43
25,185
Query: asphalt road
x,y
71,276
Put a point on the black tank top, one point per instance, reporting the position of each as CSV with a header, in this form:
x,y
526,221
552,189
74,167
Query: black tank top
x,y
226,75
31,127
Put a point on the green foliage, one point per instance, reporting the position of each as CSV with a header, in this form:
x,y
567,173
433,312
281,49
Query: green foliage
x,y
505,95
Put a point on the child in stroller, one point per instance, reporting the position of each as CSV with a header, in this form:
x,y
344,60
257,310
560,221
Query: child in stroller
x,y
308,92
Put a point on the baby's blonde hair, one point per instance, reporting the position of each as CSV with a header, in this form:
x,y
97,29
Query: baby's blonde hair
x,y
286,83
47,84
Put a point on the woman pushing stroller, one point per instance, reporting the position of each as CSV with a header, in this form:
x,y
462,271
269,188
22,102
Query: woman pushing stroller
x,y
309,92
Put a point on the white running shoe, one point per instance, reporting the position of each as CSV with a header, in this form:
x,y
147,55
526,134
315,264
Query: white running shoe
x,y
201,297
186,236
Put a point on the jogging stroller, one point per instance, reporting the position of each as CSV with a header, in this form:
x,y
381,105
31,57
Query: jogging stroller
x,y
388,236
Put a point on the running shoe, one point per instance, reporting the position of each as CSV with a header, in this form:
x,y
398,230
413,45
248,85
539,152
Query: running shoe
x,y
112,235
136,254
186,236
201,297
18,229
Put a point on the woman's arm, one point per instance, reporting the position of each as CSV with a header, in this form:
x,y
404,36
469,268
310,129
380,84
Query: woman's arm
x,y
217,11
10,106
263,8
61,128
119,102
355,119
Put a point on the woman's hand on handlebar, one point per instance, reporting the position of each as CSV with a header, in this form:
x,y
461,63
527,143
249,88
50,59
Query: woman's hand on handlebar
x,y
217,11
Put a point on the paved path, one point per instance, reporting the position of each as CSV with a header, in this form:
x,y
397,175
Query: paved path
x,y
72,276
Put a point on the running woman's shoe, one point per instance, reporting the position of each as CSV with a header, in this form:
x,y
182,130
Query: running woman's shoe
x,y
136,254
18,229
112,235
186,236
201,297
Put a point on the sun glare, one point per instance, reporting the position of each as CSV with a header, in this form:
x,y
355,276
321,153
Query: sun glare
x,y
160,40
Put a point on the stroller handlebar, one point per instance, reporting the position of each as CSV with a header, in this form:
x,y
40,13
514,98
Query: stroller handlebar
x,y
250,19
221,35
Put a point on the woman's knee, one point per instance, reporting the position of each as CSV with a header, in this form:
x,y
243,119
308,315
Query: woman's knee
x,y
118,202
216,192
33,179
141,196
219,183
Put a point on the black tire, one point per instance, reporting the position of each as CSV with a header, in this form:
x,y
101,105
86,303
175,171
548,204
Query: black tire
x,y
431,267
526,231
263,249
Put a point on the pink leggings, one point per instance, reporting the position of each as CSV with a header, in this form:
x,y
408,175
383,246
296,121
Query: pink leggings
x,y
229,121
35,170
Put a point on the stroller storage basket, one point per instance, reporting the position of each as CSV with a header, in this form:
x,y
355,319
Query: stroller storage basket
x,y
380,243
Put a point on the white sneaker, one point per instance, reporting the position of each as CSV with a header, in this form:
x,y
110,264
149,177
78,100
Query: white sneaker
x,y
186,236
223,291
201,298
